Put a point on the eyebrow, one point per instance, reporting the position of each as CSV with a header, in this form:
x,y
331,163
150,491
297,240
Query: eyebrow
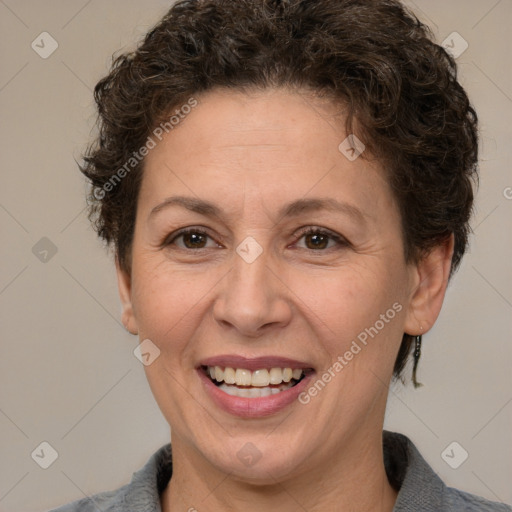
x,y
292,209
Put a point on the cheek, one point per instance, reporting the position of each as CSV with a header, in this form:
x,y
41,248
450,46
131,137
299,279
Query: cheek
x,y
358,314
166,304
346,301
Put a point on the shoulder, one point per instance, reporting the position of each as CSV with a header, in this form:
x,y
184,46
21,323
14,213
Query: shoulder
x,y
458,500
142,493
420,488
103,501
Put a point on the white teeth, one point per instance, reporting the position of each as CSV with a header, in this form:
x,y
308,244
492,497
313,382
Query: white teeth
x,y
252,392
229,376
276,376
243,377
265,391
258,378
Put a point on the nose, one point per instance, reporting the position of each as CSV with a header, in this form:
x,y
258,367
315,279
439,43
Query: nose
x,y
253,298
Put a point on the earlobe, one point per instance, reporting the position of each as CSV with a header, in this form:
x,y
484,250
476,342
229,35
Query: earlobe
x,y
125,294
429,282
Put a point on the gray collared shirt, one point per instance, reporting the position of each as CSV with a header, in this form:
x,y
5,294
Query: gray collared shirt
x,y
421,490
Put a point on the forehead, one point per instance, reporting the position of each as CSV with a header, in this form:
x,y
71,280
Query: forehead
x,y
272,120
275,143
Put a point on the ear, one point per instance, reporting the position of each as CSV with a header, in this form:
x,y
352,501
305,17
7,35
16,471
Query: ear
x,y
429,279
125,293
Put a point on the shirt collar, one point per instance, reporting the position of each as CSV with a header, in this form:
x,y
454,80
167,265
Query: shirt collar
x,y
420,489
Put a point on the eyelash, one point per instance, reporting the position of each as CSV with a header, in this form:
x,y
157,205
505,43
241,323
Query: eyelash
x,y
341,241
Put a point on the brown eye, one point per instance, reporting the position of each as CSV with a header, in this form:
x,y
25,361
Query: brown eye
x,y
316,241
194,240
190,239
320,240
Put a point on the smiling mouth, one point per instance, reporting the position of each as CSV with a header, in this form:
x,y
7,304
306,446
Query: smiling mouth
x,y
245,383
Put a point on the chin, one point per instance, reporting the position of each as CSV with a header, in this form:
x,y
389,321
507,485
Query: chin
x,y
260,461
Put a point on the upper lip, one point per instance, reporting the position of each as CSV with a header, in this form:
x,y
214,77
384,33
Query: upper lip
x,y
254,363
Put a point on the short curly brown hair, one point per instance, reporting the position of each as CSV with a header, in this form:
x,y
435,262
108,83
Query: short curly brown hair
x,y
374,57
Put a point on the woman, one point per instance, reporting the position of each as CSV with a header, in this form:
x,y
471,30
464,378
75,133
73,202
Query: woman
x,y
287,185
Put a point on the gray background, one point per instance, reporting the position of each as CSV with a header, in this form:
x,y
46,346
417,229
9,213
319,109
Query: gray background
x,y
68,375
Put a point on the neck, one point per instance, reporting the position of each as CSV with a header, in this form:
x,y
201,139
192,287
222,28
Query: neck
x,y
353,480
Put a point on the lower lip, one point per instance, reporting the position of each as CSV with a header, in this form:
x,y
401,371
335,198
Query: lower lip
x,y
253,407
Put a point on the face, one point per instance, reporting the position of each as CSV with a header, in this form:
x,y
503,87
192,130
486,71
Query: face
x,y
292,258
